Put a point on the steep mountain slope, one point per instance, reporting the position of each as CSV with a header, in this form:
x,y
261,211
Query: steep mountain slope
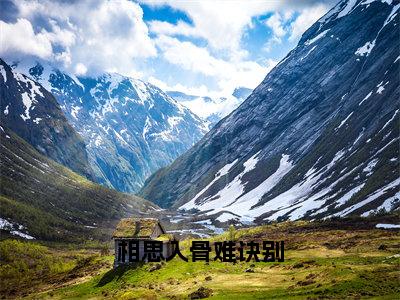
x,y
44,200
212,109
33,113
131,128
318,137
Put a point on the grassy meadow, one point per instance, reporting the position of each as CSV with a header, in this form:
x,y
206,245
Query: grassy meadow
x,y
329,260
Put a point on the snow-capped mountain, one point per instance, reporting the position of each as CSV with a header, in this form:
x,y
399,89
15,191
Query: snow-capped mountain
x,y
131,128
33,113
318,137
212,109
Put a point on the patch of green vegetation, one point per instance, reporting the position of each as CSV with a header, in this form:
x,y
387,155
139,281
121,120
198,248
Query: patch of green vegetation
x,y
352,277
27,267
40,222
165,237
135,227
52,202
319,263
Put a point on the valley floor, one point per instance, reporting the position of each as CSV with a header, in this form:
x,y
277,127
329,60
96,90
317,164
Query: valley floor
x,y
330,260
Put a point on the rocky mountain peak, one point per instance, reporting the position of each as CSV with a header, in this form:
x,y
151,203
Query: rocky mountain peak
x,y
316,138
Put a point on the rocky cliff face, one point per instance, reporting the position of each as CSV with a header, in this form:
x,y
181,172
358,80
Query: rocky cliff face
x,y
131,128
34,114
318,137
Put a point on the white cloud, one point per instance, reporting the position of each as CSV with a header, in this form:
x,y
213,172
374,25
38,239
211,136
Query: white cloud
x,y
92,36
60,36
181,28
218,106
105,35
279,24
306,18
275,22
228,74
221,23
190,57
113,37
19,38
193,90
80,69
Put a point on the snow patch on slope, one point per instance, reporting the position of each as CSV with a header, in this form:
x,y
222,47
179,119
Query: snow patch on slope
x,y
300,194
28,98
225,196
389,121
387,226
223,171
224,217
347,9
370,198
366,49
371,165
344,121
3,73
366,97
231,199
9,226
316,38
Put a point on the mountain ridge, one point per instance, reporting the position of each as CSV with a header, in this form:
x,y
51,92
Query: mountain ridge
x,y
41,199
130,127
34,114
315,139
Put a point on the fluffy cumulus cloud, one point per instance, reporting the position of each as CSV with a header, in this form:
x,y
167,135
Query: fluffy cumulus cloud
x,y
94,36
276,23
279,23
306,18
81,35
222,24
228,74
19,38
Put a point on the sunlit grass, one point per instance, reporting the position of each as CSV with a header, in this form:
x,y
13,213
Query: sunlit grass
x,y
318,264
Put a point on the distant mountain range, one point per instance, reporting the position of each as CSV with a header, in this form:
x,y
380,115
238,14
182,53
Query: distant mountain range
x,y
212,109
112,129
39,198
319,137
129,128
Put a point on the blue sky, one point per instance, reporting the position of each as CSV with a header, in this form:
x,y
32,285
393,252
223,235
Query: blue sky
x,y
198,47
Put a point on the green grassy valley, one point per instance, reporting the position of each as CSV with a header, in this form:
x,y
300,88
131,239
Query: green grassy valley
x,y
137,137
336,259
